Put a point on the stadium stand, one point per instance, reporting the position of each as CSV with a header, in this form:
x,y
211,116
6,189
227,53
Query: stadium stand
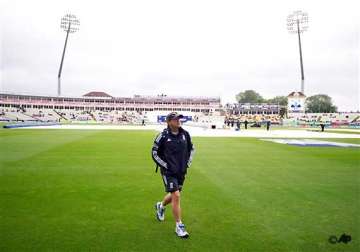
x,y
99,107
15,115
252,108
329,119
43,115
258,119
261,113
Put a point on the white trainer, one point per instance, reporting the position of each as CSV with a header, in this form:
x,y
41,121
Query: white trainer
x,y
160,212
180,231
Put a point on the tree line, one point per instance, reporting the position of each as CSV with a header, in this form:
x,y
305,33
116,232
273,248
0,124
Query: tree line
x,y
320,103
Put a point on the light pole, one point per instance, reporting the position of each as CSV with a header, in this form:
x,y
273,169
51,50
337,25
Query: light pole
x,y
297,22
70,24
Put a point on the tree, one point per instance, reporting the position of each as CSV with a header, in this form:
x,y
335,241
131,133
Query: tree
x,y
249,96
281,100
320,103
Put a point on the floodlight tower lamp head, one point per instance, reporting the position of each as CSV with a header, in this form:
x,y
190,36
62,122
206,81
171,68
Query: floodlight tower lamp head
x,y
297,22
69,23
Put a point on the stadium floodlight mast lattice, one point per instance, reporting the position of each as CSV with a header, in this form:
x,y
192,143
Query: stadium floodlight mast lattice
x,y
297,22
70,24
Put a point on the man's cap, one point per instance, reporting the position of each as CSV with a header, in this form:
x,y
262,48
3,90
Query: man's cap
x,y
173,115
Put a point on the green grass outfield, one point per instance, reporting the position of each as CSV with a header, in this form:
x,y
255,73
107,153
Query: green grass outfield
x,y
88,190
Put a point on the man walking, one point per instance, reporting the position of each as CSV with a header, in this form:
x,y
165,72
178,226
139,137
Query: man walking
x,y
268,123
322,125
173,152
246,123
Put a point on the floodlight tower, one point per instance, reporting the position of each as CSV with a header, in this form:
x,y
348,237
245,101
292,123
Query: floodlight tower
x,y
70,24
297,22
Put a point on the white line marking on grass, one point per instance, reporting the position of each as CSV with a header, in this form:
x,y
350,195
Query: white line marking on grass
x,y
207,132
310,142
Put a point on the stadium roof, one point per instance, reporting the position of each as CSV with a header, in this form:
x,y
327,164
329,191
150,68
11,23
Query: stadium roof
x,y
296,94
104,96
97,94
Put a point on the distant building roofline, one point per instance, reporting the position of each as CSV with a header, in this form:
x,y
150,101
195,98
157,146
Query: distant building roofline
x,y
296,94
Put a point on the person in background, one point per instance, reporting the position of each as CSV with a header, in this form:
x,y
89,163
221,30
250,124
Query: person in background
x,y
322,125
268,123
238,123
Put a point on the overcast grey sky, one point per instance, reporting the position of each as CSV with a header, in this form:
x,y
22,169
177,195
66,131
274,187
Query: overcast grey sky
x,y
194,48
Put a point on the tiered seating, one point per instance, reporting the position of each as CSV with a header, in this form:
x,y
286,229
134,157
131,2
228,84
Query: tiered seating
x,y
355,122
256,118
75,115
131,117
113,116
2,116
314,119
101,116
43,115
16,115
199,119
